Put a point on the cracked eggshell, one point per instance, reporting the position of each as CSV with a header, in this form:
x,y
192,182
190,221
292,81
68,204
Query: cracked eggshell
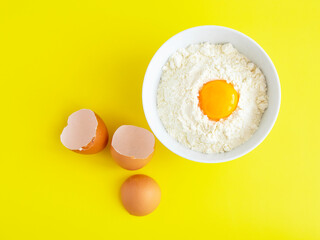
x,y
132,147
85,133
140,195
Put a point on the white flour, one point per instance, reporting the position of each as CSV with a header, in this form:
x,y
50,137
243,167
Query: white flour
x,y
177,99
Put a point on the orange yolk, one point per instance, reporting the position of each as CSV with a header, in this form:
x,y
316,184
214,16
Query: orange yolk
x,y
218,99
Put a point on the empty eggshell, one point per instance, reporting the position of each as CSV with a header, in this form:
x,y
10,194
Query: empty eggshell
x,y
85,133
132,147
140,195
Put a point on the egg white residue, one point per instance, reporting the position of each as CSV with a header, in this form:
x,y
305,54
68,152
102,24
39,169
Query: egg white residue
x,y
177,98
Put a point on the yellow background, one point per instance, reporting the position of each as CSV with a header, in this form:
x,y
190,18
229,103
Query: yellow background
x,y
59,56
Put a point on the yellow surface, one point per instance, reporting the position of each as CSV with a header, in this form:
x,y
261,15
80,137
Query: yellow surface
x,y
60,56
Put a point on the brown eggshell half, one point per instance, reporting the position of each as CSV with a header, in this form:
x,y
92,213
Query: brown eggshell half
x,y
132,147
85,133
140,195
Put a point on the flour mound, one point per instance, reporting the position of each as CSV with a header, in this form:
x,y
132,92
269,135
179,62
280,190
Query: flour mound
x,y
177,98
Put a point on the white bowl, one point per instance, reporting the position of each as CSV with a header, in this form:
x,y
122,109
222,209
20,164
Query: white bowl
x,y
213,34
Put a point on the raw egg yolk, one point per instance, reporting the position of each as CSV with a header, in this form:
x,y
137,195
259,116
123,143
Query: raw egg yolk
x,y
218,99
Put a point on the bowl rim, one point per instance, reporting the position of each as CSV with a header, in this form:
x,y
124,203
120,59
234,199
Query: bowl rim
x,y
266,131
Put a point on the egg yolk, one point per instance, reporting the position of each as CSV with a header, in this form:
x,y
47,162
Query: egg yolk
x,y
218,99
